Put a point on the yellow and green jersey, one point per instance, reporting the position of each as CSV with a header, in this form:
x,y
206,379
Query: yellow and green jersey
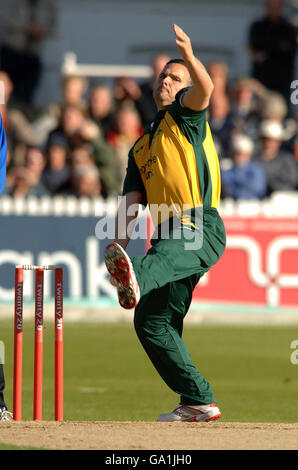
x,y
175,163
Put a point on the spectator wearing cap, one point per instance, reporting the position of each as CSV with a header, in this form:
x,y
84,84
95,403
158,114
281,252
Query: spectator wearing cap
x,y
56,173
244,179
280,166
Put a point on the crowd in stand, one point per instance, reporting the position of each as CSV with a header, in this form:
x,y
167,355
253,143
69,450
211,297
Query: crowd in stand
x,y
80,145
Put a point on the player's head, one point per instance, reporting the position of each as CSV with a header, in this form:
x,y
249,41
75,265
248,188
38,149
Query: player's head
x,y
173,77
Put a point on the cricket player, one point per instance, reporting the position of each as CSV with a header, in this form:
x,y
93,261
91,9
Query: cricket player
x,y
173,165
4,414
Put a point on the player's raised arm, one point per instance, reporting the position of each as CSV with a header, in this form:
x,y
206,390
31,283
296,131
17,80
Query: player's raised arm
x,y
198,96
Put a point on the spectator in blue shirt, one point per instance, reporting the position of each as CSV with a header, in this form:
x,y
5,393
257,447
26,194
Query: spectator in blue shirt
x,y
244,179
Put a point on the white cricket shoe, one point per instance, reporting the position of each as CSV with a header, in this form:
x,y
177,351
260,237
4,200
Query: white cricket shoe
x,y
123,276
192,413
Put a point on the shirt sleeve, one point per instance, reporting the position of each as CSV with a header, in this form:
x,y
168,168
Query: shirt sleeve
x,y
191,122
3,156
133,180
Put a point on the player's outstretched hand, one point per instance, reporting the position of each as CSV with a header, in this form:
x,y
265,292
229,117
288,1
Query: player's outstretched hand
x,y
183,43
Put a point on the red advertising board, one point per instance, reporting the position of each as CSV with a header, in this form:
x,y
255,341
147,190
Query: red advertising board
x,y
259,266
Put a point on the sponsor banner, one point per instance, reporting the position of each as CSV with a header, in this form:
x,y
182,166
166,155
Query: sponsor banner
x,y
259,266
69,242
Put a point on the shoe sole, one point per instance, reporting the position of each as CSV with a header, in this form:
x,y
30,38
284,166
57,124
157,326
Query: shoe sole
x,y
120,269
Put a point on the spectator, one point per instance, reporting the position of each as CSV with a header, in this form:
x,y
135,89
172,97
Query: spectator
x,y
272,42
86,181
128,128
126,91
274,107
27,23
246,96
35,161
88,134
21,182
82,156
280,166
71,121
101,108
221,123
73,89
218,72
245,179
17,127
56,174
145,104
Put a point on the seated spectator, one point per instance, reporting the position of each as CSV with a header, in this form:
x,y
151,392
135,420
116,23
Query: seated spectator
x,y
128,128
21,182
56,173
35,161
101,108
126,91
280,165
82,156
145,104
71,120
246,95
17,127
218,72
273,107
88,135
73,90
86,181
245,179
221,123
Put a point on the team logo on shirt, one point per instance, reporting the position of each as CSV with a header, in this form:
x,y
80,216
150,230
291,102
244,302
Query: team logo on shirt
x,y
147,168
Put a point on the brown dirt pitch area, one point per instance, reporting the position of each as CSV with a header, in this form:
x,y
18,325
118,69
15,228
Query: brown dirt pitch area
x,y
102,435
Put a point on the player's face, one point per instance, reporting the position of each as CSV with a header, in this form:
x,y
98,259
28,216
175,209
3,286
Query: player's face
x,y
173,78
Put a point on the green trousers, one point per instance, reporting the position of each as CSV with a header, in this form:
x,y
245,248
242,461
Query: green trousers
x,y
167,276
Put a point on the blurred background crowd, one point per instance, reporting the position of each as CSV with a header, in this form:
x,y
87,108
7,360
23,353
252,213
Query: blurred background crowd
x,y
80,145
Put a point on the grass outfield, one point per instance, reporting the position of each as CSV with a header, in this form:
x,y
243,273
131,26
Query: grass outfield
x,y
107,375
